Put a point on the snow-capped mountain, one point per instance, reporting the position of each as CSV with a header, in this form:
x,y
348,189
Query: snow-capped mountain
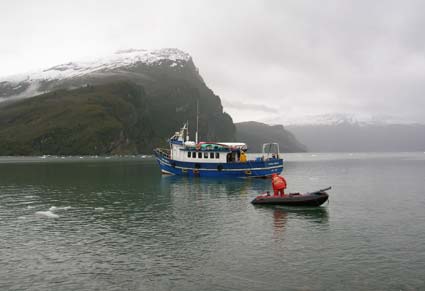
x,y
127,103
349,133
75,74
358,119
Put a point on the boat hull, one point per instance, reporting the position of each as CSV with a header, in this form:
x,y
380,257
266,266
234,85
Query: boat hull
x,y
233,169
311,200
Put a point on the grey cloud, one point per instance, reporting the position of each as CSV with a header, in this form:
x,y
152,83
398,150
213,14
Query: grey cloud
x,y
303,56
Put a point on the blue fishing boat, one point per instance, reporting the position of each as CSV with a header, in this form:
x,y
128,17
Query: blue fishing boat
x,y
215,159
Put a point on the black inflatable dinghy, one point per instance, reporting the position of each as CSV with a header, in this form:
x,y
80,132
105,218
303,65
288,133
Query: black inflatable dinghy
x,y
316,198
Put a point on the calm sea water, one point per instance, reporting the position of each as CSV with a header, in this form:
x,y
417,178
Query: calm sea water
x,y
117,224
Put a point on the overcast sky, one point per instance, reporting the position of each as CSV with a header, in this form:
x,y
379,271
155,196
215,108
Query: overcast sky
x,y
272,61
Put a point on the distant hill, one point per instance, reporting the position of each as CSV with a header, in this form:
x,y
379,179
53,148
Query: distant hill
x,y
357,137
255,134
128,103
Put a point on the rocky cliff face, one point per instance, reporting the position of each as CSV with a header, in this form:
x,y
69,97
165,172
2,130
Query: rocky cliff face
x,y
127,103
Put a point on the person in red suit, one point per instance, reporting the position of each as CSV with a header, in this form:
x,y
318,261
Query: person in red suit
x,y
279,185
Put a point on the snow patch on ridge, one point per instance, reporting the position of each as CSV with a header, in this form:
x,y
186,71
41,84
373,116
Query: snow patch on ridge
x,y
359,119
122,58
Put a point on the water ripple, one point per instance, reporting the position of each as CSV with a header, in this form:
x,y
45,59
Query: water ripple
x,y
120,225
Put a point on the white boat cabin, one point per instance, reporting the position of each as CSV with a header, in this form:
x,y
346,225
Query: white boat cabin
x,y
183,150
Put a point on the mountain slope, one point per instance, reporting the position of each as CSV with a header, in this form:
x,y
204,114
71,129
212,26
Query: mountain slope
x,y
256,133
115,118
122,105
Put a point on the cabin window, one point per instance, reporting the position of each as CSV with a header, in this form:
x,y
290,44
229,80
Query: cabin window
x,y
205,155
217,155
189,154
193,155
199,155
211,155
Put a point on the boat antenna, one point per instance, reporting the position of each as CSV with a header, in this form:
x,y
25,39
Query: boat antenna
x,y
197,121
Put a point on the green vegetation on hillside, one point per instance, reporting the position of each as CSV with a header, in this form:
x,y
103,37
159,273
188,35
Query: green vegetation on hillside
x,y
112,118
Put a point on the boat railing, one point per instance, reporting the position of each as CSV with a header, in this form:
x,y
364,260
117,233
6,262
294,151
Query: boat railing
x,y
163,152
195,149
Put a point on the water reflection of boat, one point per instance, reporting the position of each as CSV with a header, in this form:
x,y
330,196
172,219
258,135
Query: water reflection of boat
x,y
319,214
181,184
282,214
280,217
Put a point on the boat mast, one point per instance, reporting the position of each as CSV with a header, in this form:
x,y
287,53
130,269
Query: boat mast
x,y
187,130
197,121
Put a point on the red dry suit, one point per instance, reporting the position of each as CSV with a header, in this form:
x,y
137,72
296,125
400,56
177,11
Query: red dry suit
x,y
279,185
